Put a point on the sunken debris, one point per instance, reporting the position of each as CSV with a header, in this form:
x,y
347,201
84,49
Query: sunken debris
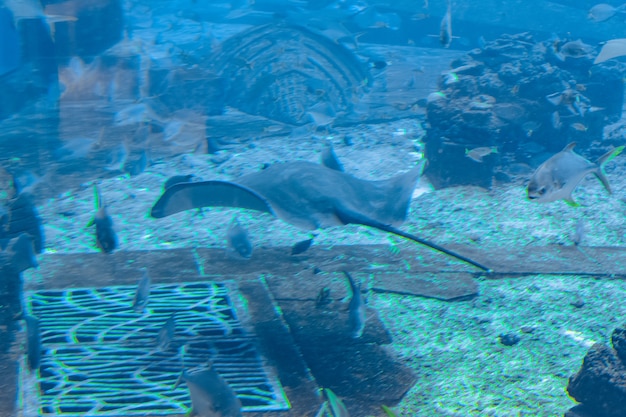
x,y
283,71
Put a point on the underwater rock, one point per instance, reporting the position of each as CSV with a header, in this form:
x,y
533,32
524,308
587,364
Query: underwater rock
x,y
523,97
286,72
600,384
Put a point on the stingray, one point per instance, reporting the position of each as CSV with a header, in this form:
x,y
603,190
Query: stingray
x,y
308,196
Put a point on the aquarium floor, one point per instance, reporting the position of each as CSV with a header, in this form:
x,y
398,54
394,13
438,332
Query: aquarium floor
x,y
362,371
316,338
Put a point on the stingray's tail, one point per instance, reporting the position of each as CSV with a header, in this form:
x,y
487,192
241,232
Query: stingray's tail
x,y
436,247
351,217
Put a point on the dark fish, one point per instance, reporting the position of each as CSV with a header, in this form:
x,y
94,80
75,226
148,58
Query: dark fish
x,y
557,178
445,31
323,297
137,166
143,292
211,396
106,239
301,247
238,239
308,196
22,217
19,253
177,179
330,160
377,64
33,342
356,309
166,333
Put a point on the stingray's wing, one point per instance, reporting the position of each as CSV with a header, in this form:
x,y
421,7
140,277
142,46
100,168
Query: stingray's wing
x,y
186,196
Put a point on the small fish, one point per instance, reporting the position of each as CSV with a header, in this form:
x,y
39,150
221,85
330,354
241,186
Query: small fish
x,y
238,239
601,12
143,292
579,127
530,127
356,309
574,49
177,179
166,333
323,297
20,253
301,247
477,154
556,120
579,234
137,166
322,114
445,32
211,396
377,64
106,239
117,158
557,177
337,407
329,158
33,342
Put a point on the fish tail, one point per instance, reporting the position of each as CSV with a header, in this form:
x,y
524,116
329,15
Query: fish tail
x,y
607,157
97,202
96,197
356,289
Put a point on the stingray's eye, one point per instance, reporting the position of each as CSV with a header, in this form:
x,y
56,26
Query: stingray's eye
x,y
541,191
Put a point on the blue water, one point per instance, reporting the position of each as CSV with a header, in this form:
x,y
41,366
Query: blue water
x,y
107,91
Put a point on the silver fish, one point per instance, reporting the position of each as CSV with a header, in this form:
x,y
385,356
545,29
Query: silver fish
x,y
143,292
356,309
557,177
601,12
477,154
238,239
166,333
445,32
579,234
211,396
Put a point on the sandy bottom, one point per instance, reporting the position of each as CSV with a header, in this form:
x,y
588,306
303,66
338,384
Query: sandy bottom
x,y
462,368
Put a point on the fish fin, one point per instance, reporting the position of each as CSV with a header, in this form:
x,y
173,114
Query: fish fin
x,y
555,98
185,196
388,411
570,202
178,380
599,173
336,405
607,157
570,147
